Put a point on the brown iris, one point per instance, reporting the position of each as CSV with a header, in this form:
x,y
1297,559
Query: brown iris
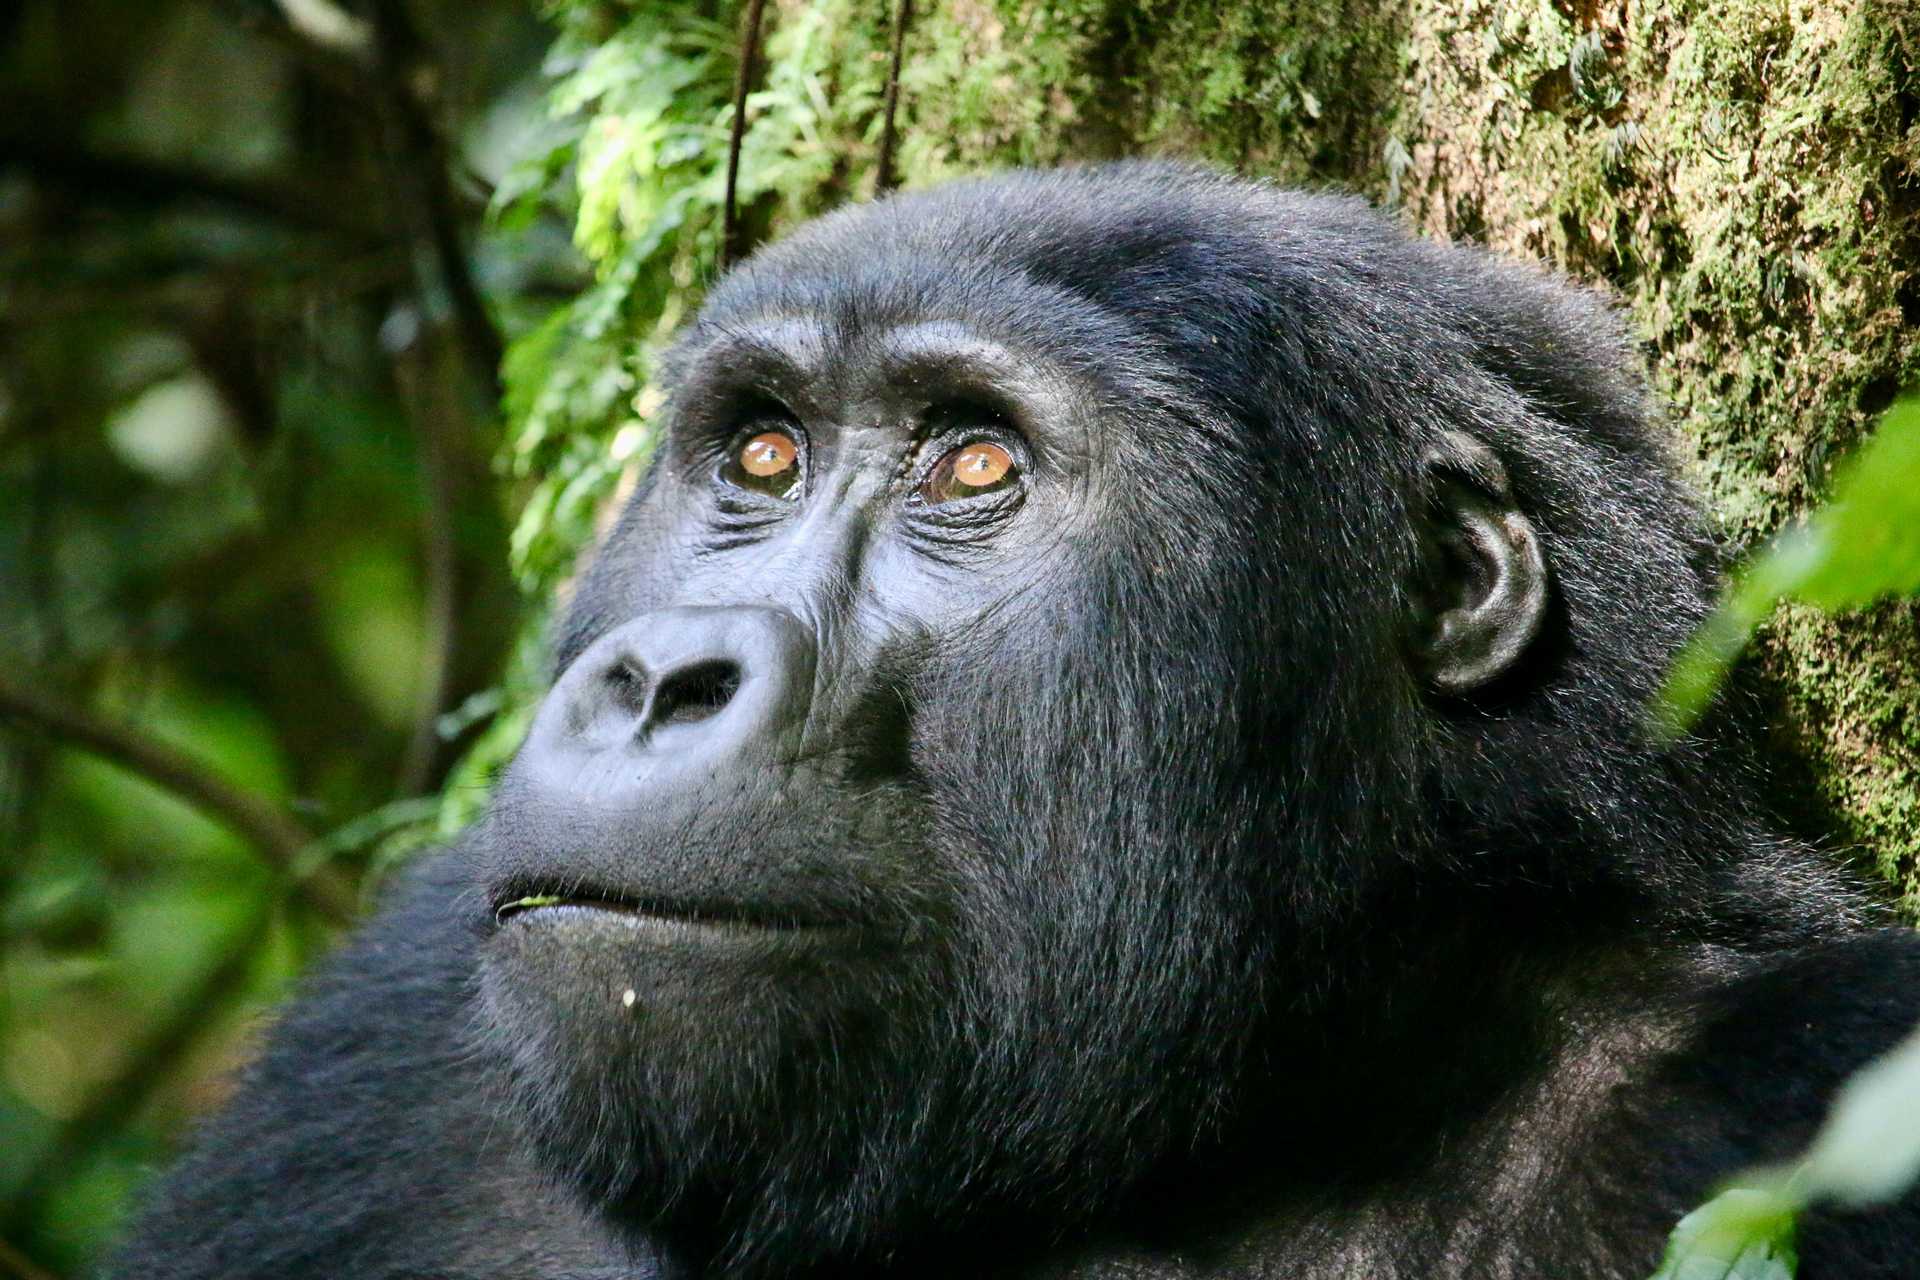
x,y
979,466
770,463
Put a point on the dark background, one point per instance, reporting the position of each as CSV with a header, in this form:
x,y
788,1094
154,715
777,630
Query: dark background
x,y
251,310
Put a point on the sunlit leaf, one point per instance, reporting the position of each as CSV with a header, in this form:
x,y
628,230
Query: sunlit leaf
x,y
1862,546
1868,1151
1746,1233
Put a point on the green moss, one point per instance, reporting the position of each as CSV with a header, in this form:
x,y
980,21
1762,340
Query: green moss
x,y
1851,686
1750,195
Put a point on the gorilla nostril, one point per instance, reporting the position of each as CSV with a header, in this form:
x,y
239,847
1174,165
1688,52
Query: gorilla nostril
x,y
694,693
627,684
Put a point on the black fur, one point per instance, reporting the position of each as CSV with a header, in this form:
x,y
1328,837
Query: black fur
x,y
1203,937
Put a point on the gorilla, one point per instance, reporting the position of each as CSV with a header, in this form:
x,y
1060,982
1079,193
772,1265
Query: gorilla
x,y
1111,742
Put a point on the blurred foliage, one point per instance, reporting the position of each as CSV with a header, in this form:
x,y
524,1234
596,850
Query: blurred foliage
x,y
1867,1153
249,516
264,506
1862,546
1744,1233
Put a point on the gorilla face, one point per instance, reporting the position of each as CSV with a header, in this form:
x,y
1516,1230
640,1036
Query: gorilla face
x,y
954,743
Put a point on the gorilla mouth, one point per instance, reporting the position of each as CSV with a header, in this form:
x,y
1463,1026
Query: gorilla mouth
x,y
680,915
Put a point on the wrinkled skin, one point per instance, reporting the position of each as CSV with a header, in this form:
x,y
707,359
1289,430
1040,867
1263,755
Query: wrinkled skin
x,y
1109,742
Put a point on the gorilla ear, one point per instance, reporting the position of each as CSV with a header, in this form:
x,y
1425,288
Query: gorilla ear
x,y
1484,593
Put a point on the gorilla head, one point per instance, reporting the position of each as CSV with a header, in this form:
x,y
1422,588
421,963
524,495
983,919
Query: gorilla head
x,y
1065,611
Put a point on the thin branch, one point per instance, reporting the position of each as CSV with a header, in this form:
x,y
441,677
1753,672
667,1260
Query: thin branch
x,y
884,178
280,839
19,1266
438,440
140,182
731,247
383,62
180,288
420,159
109,1109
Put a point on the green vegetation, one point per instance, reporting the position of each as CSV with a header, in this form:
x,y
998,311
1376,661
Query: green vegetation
x,y
1867,1153
325,343
1861,547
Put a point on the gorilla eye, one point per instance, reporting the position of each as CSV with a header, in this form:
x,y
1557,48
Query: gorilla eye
x,y
769,463
978,467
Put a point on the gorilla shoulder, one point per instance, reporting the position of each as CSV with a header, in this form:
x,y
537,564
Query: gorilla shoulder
x,y
1109,741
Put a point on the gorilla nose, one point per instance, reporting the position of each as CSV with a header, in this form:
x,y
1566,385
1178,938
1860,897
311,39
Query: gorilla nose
x,y
681,696
680,691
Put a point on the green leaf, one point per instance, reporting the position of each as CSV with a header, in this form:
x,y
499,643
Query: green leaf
x,y
537,900
1746,1233
1866,543
1862,546
392,830
1868,1150
1867,1153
